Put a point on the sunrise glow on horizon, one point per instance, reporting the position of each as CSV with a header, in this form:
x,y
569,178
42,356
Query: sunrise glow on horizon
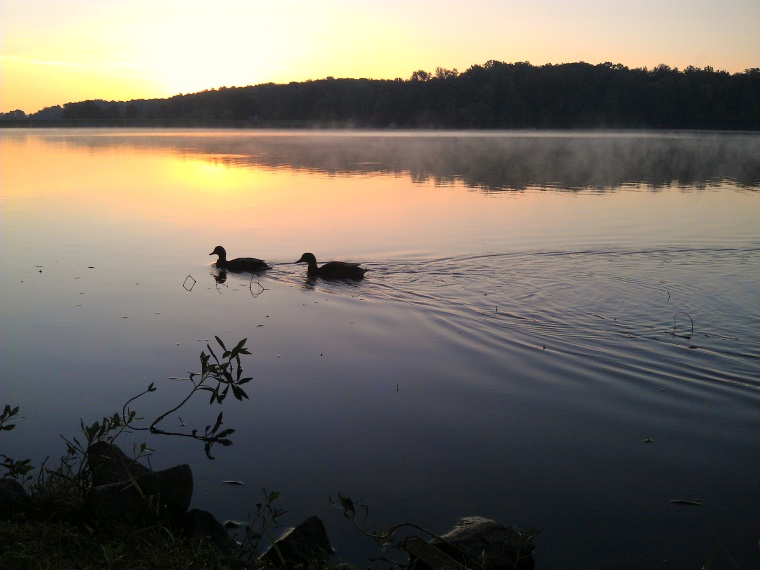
x,y
52,53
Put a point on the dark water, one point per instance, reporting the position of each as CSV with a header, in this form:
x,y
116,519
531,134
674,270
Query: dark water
x,y
537,306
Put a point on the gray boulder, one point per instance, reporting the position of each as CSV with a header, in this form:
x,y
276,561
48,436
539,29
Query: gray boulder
x,y
476,542
12,497
126,491
109,464
204,529
306,545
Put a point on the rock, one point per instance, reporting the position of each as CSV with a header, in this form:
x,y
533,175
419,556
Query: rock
x,y
109,464
165,494
477,542
12,497
306,545
425,555
203,528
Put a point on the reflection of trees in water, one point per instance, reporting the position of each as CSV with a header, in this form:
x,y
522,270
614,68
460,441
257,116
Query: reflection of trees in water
x,y
488,162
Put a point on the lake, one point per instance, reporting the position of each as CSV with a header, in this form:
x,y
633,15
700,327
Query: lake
x,y
538,307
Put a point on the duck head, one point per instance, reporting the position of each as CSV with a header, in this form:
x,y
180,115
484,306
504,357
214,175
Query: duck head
x,y
220,251
308,258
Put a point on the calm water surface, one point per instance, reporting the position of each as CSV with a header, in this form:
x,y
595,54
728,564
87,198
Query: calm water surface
x,y
525,326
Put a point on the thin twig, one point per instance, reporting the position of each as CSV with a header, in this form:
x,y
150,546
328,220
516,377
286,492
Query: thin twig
x,y
675,317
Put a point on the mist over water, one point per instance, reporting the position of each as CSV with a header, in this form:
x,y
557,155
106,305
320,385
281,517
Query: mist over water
x,y
537,306
488,161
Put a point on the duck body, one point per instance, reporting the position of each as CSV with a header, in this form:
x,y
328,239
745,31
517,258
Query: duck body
x,y
239,264
332,269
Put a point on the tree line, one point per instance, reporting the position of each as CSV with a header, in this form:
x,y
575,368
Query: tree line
x,y
495,95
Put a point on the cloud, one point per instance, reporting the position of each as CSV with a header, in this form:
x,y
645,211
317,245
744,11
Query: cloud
x,y
14,59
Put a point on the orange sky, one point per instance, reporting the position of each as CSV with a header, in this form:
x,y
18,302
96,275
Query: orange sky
x,y
54,52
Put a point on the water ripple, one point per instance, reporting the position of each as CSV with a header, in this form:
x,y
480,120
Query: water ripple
x,y
624,309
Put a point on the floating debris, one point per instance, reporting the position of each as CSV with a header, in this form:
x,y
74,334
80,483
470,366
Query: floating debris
x,y
231,524
649,440
686,502
675,318
230,482
189,283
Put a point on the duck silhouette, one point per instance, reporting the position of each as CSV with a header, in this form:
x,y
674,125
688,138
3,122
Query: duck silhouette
x,y
240,264
332,269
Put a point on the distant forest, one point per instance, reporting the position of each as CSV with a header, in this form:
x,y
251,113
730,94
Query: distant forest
x,y
495,95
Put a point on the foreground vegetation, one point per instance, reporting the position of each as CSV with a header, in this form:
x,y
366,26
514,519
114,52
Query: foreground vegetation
x,y
50,544
49,525
495,95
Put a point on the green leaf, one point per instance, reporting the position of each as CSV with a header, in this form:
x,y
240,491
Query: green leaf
x,y
213,354
219,340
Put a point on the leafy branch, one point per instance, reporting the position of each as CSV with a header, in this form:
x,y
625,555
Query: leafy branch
x,y
260,525
227,373
14,469
219,375
433,554
383,537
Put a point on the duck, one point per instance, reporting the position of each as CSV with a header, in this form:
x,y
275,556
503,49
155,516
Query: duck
x,y
332,269
240,264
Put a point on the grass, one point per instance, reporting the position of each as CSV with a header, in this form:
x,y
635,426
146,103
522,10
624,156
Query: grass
x,y
48,545
54,530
